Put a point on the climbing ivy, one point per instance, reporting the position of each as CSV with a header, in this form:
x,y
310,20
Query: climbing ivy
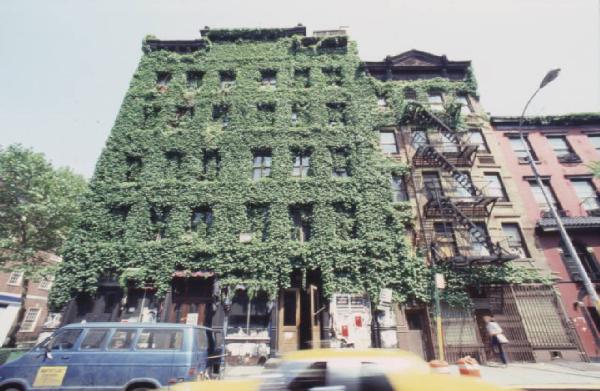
x,y
181,156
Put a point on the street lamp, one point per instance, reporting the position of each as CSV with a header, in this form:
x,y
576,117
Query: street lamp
x,y
589,287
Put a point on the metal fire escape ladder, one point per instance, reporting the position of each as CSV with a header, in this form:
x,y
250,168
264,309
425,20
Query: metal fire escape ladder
x,y
444,203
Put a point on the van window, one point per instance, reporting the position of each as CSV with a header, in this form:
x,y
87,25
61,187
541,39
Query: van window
x,y
202,340
65,339
122,339
94,339
160,339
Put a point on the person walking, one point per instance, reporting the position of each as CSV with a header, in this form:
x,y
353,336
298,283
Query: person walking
x,y
497,337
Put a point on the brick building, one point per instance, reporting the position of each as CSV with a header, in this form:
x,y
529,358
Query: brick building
x,y
563,147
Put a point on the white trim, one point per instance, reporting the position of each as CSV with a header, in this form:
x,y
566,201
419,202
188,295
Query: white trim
x,y
34,323
19,280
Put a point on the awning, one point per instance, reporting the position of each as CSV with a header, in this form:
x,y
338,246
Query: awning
x,y
10,299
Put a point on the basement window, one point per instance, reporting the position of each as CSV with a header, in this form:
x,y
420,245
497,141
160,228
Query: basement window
x,y
333,76
268,78
202,221
194,79
302,77
301,216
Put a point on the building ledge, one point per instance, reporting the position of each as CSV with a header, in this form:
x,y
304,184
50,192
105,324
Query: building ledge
x,y
570,223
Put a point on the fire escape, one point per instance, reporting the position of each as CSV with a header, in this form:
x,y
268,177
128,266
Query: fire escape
x,y
442,209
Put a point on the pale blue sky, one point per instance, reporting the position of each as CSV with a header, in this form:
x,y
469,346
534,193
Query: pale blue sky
x,y
65,65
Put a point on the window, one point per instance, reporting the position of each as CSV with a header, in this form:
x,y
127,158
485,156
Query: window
x,y
463,191
589,261
448,144
160,339
410,94
382,102
211,164
520,148
46,283
122,339
134,168
174,159
345,220
248,314
539,197
30,320
290,308
336,112
266,113
465,107
182,113
194,79
399,190
202,221
432,184
301,216
268,78
94,339
436,102
387,142
586,192
340,163
202,339
333,76
494,186
562,149
302,77
301,164
159,216
512,232
294,117
445,239
595,141
15,278
227,79
65,339
261,165
477,237
258,221
163,78
476,138
418,138
221,113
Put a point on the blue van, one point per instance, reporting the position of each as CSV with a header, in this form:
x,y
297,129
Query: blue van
x,y
115,356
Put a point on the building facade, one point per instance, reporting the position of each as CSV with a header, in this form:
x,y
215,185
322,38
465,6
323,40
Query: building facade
x,y
564,147
275,187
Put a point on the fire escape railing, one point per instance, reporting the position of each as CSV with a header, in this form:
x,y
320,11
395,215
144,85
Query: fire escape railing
x,y
447,205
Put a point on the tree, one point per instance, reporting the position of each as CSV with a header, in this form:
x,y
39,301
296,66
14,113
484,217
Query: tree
x,y
595,167
38,204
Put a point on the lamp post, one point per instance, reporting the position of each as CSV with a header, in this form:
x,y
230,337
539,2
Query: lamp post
x,y
589,286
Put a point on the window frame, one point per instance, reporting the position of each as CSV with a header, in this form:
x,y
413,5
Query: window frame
x,y
399,189
502,189
548,187
594,189
563,152
483,143
103,341
522,159
522,244
303,169
384,145
34,322
262,167
19,278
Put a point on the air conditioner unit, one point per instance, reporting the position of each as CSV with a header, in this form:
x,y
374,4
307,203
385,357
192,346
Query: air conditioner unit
x,y
246,237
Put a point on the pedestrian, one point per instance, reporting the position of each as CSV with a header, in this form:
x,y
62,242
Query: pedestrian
x,y
497,337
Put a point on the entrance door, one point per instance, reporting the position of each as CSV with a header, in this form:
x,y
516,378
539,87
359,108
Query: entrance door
x,y
289,320
315,317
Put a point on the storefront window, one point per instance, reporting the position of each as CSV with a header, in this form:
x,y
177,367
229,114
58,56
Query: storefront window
x,y
248,316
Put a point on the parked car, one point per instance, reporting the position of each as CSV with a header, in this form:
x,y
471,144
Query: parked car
x,y
115,356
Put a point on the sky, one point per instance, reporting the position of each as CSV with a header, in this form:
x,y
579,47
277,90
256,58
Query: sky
x,y
65,65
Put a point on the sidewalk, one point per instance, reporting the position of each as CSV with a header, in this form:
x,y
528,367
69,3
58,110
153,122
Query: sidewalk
x,y
543,376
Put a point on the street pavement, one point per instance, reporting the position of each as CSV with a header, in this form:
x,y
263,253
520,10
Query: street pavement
x,y
562,375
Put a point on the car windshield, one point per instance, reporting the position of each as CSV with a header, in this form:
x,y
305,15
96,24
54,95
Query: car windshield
x,y
61,340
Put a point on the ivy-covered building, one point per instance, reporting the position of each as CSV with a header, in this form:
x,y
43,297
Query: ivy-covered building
x,y
264,180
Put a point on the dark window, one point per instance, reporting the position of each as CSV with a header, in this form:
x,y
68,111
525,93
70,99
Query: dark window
x,y
476,138
258,219
520,148
494,186
299,114
202,221
160,339
336,113
410,94
134,168
211,164
182,113
301,167
94,339
340,163
268,78
122,339
301,216
595,315
261,165
513,235
333,75
587,194
290,308
387,142
174,158
227,79
302,77
432,184
201,339
345,219
163,78
589,261
399,190
194,79
247,314
159,216
266,113
65,339
221,113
